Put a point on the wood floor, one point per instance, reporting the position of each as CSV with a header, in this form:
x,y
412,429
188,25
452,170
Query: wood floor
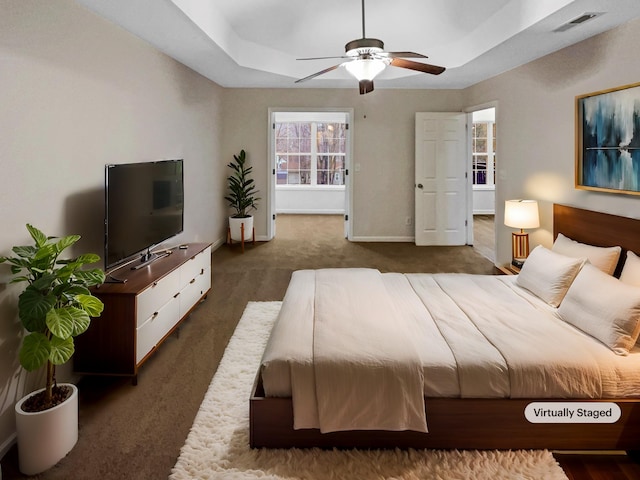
x,y
484,236
598,466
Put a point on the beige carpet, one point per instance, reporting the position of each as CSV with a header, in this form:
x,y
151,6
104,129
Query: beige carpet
x,y
218,443
135,433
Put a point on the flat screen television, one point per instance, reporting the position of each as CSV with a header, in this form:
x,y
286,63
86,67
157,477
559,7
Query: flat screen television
x,y
144,206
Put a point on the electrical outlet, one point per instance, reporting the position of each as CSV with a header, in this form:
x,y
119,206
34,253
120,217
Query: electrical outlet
x,y
408,221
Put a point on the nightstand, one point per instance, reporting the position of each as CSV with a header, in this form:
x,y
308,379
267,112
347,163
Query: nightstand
x,y
509,270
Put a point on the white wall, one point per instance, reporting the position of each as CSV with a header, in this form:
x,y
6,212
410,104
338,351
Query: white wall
x,y
536,119
300,199
76,93
484,200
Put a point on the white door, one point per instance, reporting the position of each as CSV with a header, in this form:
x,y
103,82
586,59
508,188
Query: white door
x,y
440,179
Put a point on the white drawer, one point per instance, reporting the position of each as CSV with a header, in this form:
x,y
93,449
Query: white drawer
x,y
158,293
194,290
194,266
155,327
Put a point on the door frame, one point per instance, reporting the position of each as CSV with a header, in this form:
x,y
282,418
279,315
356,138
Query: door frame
x,y
271,166
469,110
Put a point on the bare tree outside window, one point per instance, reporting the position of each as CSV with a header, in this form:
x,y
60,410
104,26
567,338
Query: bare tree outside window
x,y
302,161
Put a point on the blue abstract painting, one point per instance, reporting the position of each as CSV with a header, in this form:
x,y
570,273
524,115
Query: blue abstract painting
x,y
610,133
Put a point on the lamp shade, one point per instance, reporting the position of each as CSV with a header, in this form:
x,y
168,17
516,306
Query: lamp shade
x,y
521,214
365,69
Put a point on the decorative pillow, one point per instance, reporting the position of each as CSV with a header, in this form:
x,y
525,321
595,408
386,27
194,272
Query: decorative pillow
x,y
631,270
603,307
548,274
605,258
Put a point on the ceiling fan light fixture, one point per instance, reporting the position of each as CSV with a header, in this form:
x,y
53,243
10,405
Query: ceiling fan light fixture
x,y
367,59
365,69
363,46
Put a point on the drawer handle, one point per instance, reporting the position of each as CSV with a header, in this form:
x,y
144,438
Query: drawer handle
x,y
192,281
202,271
155,284
176,295
155,314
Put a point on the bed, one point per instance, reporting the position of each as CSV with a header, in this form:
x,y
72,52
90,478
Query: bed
x,y
492,408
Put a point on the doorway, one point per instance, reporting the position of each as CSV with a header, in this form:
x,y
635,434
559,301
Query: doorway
x,y
483,171
309,157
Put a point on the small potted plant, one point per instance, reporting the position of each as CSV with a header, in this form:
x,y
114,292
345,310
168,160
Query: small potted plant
x,y
242,198
55,306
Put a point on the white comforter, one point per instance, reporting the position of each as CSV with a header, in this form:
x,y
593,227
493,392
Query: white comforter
x,y
459,336
368,373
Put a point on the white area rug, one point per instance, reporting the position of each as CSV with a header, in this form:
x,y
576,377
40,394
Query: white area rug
x,y
218,444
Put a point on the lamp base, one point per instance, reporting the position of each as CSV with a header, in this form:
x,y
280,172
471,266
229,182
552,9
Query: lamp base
x,y
519,248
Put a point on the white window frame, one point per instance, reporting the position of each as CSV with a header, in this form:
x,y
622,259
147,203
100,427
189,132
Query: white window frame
x,y
491,157
314,118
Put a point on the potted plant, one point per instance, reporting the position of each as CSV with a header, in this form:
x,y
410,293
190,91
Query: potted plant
x,y
242,198
55,306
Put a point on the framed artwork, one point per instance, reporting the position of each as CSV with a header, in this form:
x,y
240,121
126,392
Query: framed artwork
x,y
608,140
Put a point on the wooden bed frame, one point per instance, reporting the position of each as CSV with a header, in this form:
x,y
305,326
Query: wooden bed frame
x,y
478,423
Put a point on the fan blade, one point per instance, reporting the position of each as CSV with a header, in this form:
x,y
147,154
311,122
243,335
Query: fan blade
x,y
326,70
322,58
420,67
366,86
403,55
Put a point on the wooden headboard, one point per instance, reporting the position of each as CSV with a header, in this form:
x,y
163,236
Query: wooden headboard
x,y
597,228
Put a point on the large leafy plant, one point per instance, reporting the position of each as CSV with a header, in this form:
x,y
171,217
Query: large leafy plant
x,y
242,190
56,305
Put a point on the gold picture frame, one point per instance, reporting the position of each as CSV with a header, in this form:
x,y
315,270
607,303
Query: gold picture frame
x,y
608,140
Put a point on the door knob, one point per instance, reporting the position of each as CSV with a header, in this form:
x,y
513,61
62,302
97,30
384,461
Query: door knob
x,y
419,185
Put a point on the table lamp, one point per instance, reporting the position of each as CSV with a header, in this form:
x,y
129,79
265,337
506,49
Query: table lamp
x,y
520,214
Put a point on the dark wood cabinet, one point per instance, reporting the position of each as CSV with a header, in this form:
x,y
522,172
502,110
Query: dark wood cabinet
x,y
142,312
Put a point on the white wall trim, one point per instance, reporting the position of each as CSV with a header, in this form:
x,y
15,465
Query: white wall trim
x,y
484,212
216,244
309,212
7,444
383,239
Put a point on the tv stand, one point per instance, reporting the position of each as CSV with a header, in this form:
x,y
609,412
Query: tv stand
x,y
142,310
111,279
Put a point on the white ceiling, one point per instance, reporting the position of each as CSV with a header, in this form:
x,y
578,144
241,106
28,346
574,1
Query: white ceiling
x,y
256,43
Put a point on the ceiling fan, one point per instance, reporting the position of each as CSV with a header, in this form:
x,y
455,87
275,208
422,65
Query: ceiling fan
x,y
367,59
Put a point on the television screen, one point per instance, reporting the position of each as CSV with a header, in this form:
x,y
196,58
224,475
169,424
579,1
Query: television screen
x,y
144,207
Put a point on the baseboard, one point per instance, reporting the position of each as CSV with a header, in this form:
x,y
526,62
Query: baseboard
x,y
310,212
382,239
218,243
484,212
7,444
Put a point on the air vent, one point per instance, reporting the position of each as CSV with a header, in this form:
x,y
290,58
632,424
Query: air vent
x,y
585,17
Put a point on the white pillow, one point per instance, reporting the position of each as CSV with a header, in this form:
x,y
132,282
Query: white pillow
x,y
605,258
603,307
548,274
631,270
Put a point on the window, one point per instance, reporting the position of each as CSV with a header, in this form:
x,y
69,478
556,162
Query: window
x,y
484,153
310,153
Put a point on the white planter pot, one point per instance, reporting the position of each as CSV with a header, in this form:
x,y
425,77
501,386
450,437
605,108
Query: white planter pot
x,y
45,438
235,224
